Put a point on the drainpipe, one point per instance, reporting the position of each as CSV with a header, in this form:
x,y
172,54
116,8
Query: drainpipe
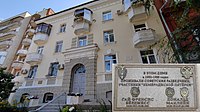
x,y
170,33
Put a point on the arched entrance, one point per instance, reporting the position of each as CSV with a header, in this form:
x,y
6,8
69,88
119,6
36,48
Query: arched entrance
x,y
79,79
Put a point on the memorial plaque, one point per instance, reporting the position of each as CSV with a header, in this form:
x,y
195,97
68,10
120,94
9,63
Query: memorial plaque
x,y
154,87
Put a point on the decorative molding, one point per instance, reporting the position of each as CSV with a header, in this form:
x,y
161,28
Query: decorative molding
x,y
93,9
89,51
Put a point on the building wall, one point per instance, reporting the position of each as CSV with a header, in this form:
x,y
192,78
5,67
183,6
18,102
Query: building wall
x,y
98,80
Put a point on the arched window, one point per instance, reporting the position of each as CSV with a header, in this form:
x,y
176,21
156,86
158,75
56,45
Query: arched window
x,y
24,97
78,82
47,97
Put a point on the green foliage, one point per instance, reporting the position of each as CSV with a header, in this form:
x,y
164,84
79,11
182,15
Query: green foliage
x,y
185,40
5,84
6,107
65,109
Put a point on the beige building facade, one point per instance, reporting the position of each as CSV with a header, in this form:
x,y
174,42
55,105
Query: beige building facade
x,y
11,33
72,51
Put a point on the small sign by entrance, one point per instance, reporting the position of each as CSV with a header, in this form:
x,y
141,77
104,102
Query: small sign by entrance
x,y
154,87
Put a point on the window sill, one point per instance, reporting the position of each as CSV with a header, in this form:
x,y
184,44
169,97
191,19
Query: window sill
x,y
105,21
57,53
60,33
49,76
110,43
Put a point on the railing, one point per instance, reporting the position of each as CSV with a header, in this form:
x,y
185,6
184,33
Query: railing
x,y
50,102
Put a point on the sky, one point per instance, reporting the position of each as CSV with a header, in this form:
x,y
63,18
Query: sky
x,y
9,8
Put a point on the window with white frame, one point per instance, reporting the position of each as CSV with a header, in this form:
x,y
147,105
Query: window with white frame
x,y
109,60
82,41
107,16
108,36
40,49
58,46
140,27
53,69
33,71
62,28
148,56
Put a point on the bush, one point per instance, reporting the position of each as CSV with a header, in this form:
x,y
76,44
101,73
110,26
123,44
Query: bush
x,y
6,107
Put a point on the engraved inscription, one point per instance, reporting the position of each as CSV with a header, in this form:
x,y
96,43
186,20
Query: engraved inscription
x,y
155,88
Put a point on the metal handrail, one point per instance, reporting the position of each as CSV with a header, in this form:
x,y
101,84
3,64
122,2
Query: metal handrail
x,y
40,108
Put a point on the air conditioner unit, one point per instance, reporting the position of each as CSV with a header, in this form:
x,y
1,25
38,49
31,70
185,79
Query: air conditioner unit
x,y
24,71
61,66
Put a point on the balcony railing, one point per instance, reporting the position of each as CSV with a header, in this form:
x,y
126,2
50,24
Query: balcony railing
x,y
26,41
10,26
17,64
5,44
81,28
7,35
40,38
34,58
30,32
22,52
144,38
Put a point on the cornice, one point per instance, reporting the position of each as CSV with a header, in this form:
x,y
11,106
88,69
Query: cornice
x,y
72,16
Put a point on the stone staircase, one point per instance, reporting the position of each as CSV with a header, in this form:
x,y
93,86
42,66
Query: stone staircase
x,y
54,105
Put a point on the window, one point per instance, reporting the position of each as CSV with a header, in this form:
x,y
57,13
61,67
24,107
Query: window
x,y
2,57
148,56
140,27
33,71
82,41
107,16
53,69
24,97
109,60
44,28
59,46
40,49
62,28
108,36
47,97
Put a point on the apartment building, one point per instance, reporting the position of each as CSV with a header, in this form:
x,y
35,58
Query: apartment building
x,y
14,46
72,51
11,33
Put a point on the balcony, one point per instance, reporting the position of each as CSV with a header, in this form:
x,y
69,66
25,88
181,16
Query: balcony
x,y
144,38
40,38
22,52
7,35
81,28
34,58
30,32
17,64
34,17
26,41
82,21
135,10
10,26
5,44
42,33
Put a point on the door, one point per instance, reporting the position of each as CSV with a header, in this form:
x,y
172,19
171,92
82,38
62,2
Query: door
x,y
79,80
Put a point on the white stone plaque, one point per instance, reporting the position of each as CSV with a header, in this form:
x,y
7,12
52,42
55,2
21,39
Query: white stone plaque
x,y
154,87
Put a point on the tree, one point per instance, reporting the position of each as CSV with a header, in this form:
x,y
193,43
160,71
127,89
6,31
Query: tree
x,y
186,36
6,84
